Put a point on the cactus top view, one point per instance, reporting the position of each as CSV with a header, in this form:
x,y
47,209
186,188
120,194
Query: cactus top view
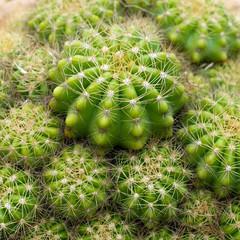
x,y
76,183
208,35
29,135
211,132
19,200
149,186
119,86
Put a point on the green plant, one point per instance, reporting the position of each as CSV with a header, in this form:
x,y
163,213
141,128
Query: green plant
x,y
76,183
160,233
211,134
150,185
120,86
106,225
19,200
29,135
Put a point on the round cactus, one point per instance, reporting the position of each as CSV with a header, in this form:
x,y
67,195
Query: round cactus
x,y
161,233
120,86
230,220
211,134
198,235
48,228
76,183
199,211
106,225
29,135
19,200
149,186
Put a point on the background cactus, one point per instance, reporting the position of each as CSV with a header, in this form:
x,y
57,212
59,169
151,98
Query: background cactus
x,y
106,225
76,183
119,86
29,135
19,200
200,211
211,134
150,185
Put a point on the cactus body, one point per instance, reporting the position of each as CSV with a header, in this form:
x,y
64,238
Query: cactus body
x,y
211,134
119,86
150,185
19,200
76,183
28,135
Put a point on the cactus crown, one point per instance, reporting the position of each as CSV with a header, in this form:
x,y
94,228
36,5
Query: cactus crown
x,y
76,183
150,185
29,135
118,86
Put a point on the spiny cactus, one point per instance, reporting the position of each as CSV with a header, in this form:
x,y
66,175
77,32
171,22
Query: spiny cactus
x,y
106,225
199,211
29,72
48,228
198,235
54,24
160,233
150,185
210,35
76,183
211,134
120,86
230,220
29,135
19,200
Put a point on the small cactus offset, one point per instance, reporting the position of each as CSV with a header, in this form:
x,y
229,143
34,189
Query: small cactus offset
x,y
211,134
198,235
106,225
120,86
230,220
149,186
19,201
200,211
76,183
47,228
29,135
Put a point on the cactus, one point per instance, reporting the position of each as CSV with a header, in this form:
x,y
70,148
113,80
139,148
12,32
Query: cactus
x,y
19,200
163,233
120,86
229,220
149,186
106,225
199,211
28,135
208,36
54,24
47,228
76,183
211,134
199,235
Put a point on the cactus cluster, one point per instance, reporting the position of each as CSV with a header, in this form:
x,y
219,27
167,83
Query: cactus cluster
x,y
210,35
211,134
150,185
119,87
76,183
29,135
19,200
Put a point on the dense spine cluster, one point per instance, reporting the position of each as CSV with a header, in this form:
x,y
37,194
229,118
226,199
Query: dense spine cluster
x,y
211,134
76,183
150,185
29,135
120,86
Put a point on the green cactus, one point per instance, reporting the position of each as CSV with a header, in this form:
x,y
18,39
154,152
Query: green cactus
x,y
230,220
120,86
199,211
48,228
29,135
149,186
211,34
106,225
160,233
198,235
76,183
211,134
19,200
